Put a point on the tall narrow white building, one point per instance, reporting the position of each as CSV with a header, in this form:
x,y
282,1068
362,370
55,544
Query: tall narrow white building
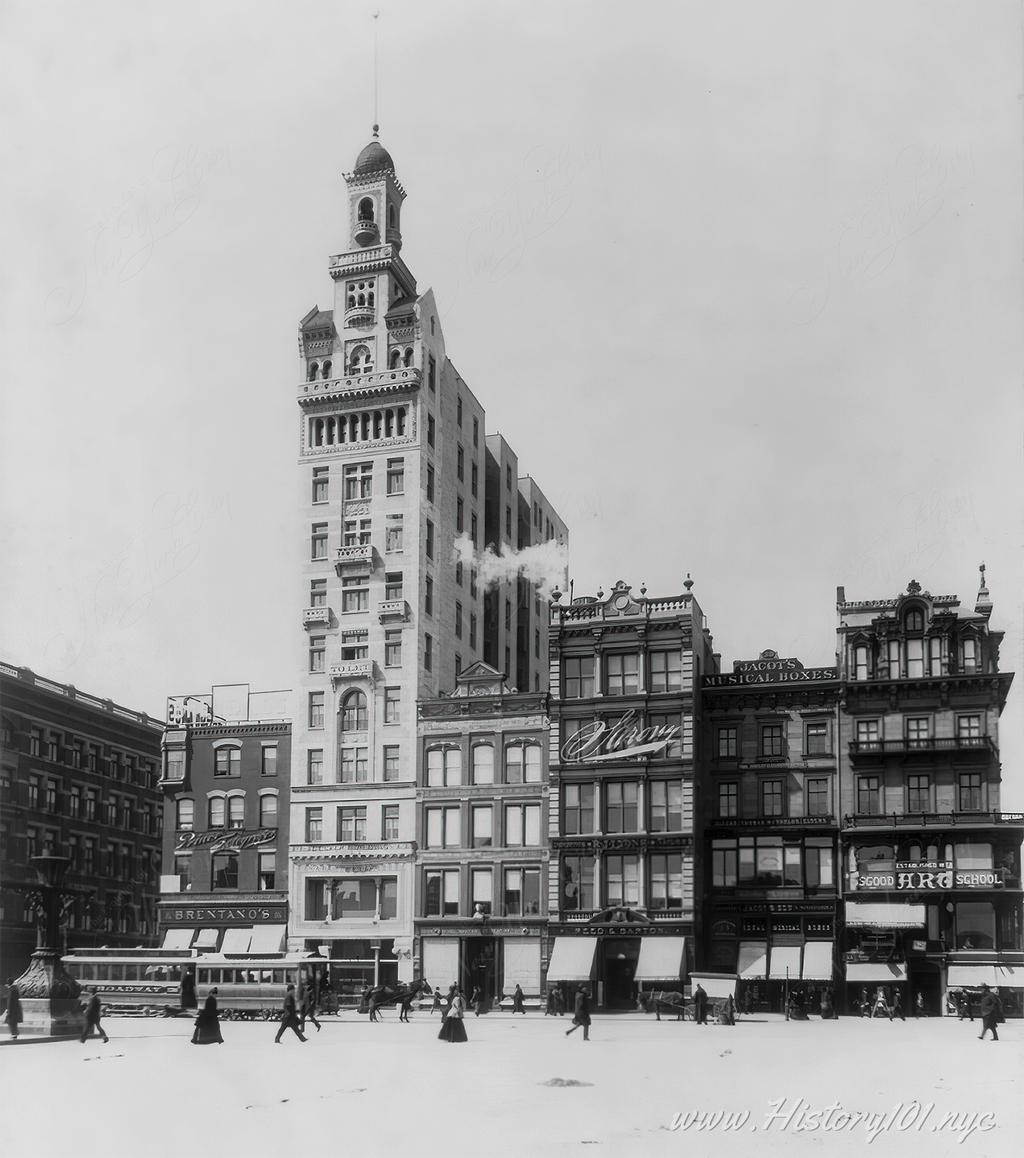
x,y
392,469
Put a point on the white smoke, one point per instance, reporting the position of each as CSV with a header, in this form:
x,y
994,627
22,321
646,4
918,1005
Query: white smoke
x,y
544,565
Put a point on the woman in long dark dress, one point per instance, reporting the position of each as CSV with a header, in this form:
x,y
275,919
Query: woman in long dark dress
x,y
207,1030
13,1017
453,1026
517,1001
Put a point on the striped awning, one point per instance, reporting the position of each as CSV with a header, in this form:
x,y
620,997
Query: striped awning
x,y
572,959
817,961
661,959
875,972
753,963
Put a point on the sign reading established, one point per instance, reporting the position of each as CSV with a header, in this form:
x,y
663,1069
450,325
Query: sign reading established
x,y
224,839
623,740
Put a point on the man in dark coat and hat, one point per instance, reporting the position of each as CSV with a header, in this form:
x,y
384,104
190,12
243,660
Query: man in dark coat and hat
x,y
581,1013
700,1005
990,1008
13,1016
93,1012
289,1017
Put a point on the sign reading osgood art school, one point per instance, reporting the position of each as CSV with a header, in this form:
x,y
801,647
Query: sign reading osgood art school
x,y
623,740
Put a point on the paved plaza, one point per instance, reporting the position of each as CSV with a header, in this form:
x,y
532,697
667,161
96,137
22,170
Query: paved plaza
x,y
518,1087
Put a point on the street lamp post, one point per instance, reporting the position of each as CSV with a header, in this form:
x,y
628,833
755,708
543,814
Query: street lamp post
x,y
49,995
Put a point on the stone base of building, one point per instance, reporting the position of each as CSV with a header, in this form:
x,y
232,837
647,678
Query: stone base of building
x,y
51,1017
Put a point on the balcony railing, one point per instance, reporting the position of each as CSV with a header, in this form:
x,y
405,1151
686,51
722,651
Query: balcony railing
x,y
316,615
933,819
360,557
393,609
972,744
360,313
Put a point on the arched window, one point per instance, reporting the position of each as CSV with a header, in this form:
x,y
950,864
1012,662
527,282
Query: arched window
x,y
361,361
483,764
186,813
914,620
366,209
311,374
353,712
216,812
408,356
236,812
522,764
444,767
327,369
396,359
268,810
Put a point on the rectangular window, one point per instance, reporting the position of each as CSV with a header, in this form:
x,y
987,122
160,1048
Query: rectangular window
x,y
578,809
393,544
458,620
355,765
728,742
918,794
969,650
968,731
623,674
894,658
396,476
473,528
320,478
318,541
577,883
317,651
315,766
482,890
316,709
536,643
443,828
869,801
268,760
460,463
665,884
355,594
973,855
428,545
816,738
441,893
225,870
236,812
620,812
522,892
314,825
915,658
430,484
666,806
472,629
318,593
727,800
666,671
267,871
460,515
431,373
474,480
428,596
918,732
392,762
772,740
522,764
428,652
392,649
483,764
444,767
622,880
969,792
392,705
352,824
483,825
472,582
227,762
35,742
522,825
358,480
431,430
868,735
861,668
355,644
792,867
357,533
772,802
508,523
476,431
818,866
393,585
817,797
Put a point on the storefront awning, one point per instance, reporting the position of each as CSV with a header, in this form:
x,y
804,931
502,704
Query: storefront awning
x,y
266,938
1010,976
661,959
206,939
236,940
717,986
177,938
875,972
572,959
753,963
785,962
971,975
817,961
882,915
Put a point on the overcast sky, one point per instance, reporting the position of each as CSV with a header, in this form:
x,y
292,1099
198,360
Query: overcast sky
x,y
740,282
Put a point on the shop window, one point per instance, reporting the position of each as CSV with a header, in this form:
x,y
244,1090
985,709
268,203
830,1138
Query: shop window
x,y
975,925
973,854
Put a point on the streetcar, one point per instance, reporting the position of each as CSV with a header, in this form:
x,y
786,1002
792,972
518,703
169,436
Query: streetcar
x,y
147,982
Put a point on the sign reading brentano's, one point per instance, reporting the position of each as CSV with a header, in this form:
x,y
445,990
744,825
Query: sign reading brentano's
x,y
623,740
225,840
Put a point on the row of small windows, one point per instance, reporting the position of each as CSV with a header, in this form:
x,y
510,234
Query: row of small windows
x,y
361,426
60,748
354,715
662,876
522,765
773,862
351,824
772,740
225,812
872,799
775,801
79,802
119,860
913,658
620,807
224,871
622,674
520,895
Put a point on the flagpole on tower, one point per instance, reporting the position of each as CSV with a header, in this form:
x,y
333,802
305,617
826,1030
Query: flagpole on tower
x,y
376,25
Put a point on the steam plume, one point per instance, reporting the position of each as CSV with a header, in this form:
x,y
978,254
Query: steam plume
x,y
544,565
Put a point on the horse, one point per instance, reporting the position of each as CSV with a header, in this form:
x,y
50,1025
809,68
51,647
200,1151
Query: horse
x,y
402,995
670,1001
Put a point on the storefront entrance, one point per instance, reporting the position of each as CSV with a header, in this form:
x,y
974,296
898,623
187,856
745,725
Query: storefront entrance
x,y
479,967
618,967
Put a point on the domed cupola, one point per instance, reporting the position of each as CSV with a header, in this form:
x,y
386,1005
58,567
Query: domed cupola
x,y
374,158
376,197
